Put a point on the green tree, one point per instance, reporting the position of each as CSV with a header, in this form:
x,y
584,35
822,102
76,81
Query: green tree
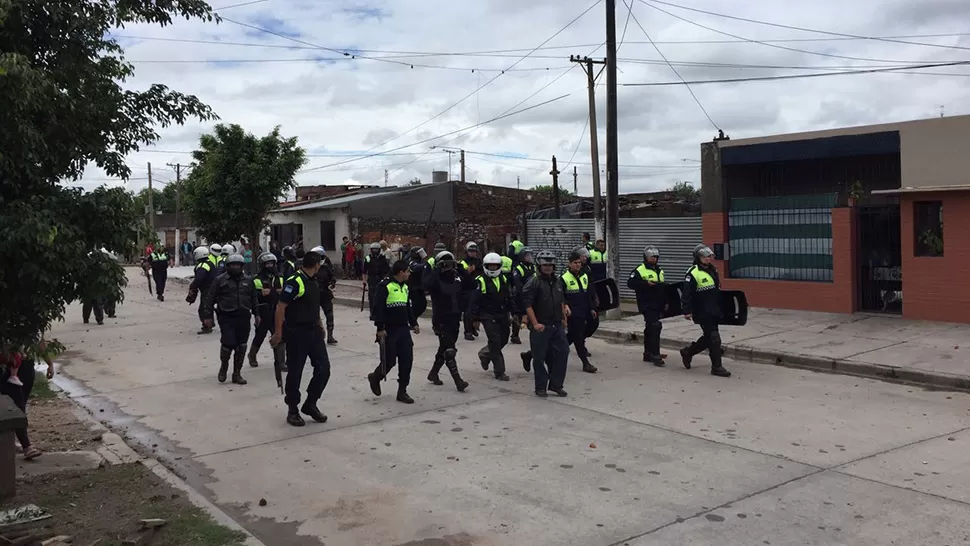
x,y
237,179
414,182
685,191
547,188
164,200
64,106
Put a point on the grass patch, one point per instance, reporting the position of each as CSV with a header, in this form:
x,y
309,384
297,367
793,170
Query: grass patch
x,y
108,503
42,388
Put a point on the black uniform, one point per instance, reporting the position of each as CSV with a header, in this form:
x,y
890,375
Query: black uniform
x,y
445,287
469,286
701,299
545,296
491,305
304,339
419,300
376,268
392,315
327,279
288,268
92,304
521,274
582,302
651,302
159,265
271,282
204,275
237,300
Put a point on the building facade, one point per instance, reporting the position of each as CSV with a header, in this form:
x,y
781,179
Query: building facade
x,y
842,220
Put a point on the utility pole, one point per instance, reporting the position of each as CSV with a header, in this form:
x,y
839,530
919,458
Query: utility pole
x,y
555,186
594,147
612,153
385,178
518,183
151,202
575,181
178,189
462,166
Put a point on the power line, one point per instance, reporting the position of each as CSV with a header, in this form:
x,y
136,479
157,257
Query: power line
x,y
764,43
664,57
334,59
806,29
800,76
240,5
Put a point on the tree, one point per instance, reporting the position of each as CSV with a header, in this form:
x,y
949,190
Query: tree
x,y
685,191
64,106
547,188
237,179
164,200
414,182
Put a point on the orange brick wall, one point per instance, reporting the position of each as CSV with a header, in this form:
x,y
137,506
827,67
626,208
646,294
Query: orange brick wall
x,y
936,288
838,296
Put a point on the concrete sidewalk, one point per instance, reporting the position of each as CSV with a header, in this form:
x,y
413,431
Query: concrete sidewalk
x,y
928,353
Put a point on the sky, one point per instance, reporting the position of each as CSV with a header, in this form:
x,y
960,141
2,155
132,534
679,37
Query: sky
x,y
371,86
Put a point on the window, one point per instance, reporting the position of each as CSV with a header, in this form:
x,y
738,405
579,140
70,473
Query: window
x,y
928,228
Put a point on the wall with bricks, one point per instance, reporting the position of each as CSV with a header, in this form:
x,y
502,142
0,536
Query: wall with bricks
x,y
838,296
935,288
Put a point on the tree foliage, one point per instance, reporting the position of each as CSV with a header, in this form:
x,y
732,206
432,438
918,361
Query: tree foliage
x,y
685,191
163,200
414,182
237,179
547,188
64,107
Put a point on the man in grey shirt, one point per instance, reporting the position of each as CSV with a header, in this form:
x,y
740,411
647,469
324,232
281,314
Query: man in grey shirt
x,y
546,314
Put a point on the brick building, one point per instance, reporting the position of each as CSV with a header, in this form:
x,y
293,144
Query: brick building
x,y
840,220
450,212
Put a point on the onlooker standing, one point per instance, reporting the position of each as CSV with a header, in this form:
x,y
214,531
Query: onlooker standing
x,y
21,393
343,255
349,259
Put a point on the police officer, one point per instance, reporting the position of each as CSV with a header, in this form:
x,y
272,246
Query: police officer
x,y
438,249
491,305
228,249
159,264
515,250
470,264
521,273
327,279
597,261
235,294
298,325
268,283
507,262
289,266
376,268
394,321
215,254
701,302
205,273
587,244
647,281
418,268
545,306
581,304
444,284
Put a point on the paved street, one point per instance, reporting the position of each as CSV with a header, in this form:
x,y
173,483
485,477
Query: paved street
x,y
635,455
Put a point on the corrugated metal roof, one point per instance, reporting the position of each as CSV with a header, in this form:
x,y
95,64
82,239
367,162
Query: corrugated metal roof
x,y
337,203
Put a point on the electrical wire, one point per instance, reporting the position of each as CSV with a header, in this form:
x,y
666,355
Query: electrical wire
x,y
767,44
659,52
240,5
334,59
815,30
799,76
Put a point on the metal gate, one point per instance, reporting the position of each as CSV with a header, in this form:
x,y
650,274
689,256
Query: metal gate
x,y
880,277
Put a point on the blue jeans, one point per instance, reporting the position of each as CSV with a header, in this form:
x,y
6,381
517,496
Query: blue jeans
x,y
549,348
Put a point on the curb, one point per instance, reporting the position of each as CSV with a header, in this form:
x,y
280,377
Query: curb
x,y
829,365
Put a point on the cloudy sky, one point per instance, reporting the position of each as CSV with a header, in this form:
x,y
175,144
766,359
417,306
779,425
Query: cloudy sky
x,y
430,73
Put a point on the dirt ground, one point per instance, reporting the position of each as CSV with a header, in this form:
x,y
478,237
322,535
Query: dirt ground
x,y
106,503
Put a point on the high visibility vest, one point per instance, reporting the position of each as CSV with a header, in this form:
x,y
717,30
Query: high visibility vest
x,y
525,271
463,264
258,283
517,246
702,278
397,294
159,257
573,283
596,257
496,281
213,259
301,286
650,275
506,265
431,262
205,265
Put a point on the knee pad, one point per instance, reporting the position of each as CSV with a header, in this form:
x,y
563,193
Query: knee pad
x,y
450,354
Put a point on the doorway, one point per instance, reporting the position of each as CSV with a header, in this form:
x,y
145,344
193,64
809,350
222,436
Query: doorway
x,y
328,234
880,276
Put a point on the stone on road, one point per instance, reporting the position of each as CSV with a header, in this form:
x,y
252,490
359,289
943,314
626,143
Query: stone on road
x,y
770,456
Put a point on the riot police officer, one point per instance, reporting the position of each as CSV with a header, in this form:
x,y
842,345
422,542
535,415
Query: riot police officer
x,y
581,304
376,268
470,264
418,268
394,321
289,265
268,283
439,247
491,305
235,295
205,273
159,266
521,273
326,277
701,302
647,281
444,284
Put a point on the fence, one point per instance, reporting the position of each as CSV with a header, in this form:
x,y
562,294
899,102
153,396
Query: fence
x,y
781,238
675,237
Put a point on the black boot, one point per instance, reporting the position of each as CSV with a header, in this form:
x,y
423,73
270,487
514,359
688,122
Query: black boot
x,y
237,365
204,330
526,360
716,352
687,355
402,395
435,368
452,364
374,379
483,358
330,339
312,411
515,339
469,336
224,354
252,357
294,419
587,367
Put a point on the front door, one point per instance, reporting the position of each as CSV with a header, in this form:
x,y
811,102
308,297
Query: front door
x,y
328,234
880,277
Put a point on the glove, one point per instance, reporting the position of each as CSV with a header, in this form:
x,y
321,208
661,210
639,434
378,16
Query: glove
x,y
193,295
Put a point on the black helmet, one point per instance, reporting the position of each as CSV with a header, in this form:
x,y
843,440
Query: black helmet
x,y
545,257
418,252
289,253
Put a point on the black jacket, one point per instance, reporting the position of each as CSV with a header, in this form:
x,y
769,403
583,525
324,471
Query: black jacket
x,y
205,273
583,302
470,280
704,302
398,315
521,274
272,281
376,267
232,295
651,300
445,291
416,282
326,279
546,298
490,302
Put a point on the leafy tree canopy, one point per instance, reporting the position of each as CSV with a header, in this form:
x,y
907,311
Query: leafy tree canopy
x,y
64,107
685,191
237,179
414,182
547,188
163,200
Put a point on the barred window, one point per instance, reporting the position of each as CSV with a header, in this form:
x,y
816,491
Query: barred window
x,y
928,228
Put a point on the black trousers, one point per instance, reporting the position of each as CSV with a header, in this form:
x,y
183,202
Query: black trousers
x,y
372,285
709,341
234,330
302,343
95,305
466,318
267,325
497,332
20,395
398,350
516,320
549,348
160,276
200,299
576,336
327,305
652,327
